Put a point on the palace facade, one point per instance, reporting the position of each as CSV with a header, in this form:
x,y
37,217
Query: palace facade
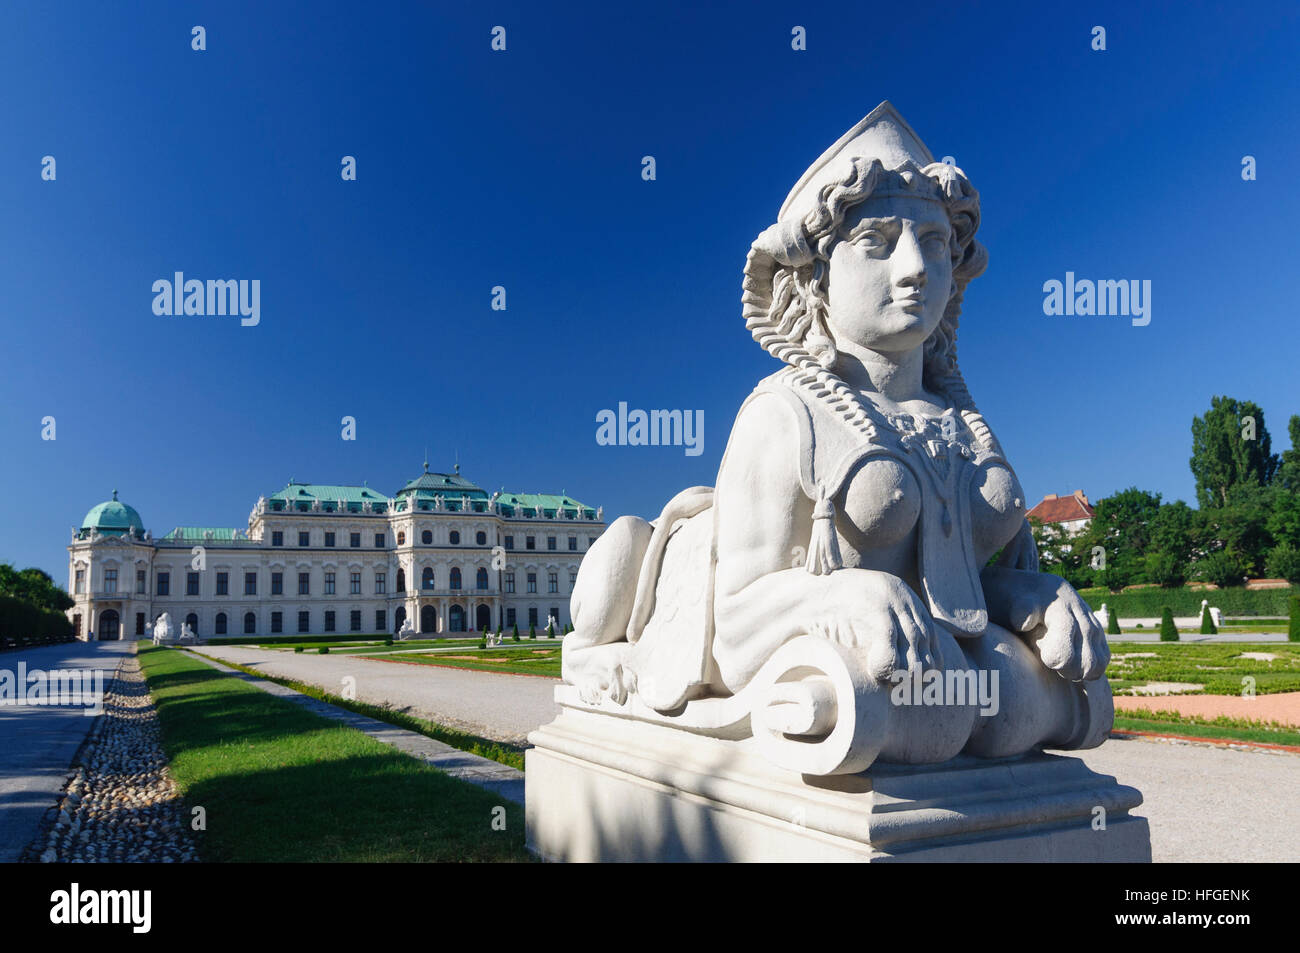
x,y
321,559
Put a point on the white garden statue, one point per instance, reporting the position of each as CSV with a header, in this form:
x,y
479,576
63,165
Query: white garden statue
x,y
162,629
406,631
843,554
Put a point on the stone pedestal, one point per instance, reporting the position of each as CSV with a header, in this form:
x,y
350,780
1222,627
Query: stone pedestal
x,y
604,788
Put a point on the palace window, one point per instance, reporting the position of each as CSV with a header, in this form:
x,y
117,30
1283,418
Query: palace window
x,y
550,543
426,537
455,579
401,580
510,617
573,579
221,624
223,583
354,620
191,584
401,539
530,542
139,623
140,581
329,584
277,537
380,580
455,538
354,583
304,583
426,578
80,586
329,540
532,615
510,542
480,538
354,540
591,541
552,582
250,583
277,583
329,620
250,624
110,580
304,620
481,579
532,582
381,620
277,622
192,621
304,537
510,582
379,541
164,584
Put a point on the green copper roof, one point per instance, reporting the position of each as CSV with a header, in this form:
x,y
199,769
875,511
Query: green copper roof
x,y
301,496
549,502
113,518
200,534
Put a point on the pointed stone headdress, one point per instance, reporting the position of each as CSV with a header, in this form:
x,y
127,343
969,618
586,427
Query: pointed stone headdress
x,y
882,134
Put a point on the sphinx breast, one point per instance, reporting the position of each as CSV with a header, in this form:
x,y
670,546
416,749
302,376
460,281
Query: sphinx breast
x,y
881,503
997,507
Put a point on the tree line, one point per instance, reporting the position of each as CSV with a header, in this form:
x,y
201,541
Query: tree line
x,y
1246,522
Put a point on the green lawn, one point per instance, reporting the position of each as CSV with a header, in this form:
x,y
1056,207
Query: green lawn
x,y
521,660
280,784
1215,665
1229,729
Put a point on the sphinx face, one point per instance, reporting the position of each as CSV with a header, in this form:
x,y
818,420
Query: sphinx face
x,y
890,274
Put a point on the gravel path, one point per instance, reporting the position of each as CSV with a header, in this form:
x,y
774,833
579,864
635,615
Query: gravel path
x,y
38,743
1209,803
121,805
490,704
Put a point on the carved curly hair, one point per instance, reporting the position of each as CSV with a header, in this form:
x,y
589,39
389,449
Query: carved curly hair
x,y
785,286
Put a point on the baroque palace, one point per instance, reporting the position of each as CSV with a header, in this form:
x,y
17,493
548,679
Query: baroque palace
x,y
319,559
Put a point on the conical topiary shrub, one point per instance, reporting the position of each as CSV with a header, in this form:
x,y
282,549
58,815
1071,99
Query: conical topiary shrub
x,y
516,628
1112,623
1207,622
1168,631
532,631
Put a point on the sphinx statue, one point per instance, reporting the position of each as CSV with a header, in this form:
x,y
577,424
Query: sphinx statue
x,y
859,502
866,534
163,633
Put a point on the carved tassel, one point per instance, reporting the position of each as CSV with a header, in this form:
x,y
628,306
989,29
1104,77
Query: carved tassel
x,y
824,548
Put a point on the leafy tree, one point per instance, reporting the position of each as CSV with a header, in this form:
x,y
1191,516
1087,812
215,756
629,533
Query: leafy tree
x,y
1224,454
33,586
1284,562
1122,526
1293,630
1177,530
1288,471
1283,520
1223,568
1163,569
1241,525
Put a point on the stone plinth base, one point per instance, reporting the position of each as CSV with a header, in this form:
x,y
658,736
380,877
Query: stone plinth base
x,y
603,788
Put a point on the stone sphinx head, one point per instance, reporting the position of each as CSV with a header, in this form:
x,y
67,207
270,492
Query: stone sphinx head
x,y
873,248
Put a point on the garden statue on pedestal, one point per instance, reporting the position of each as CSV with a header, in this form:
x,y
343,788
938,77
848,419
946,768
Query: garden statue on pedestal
x,y
841,565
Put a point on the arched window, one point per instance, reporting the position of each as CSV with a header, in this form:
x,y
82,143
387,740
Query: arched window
x,y
250,623
401,539
401,580
456,619
455,579
221,623
192,621
455,538
426,578
480,579
426,537
481,538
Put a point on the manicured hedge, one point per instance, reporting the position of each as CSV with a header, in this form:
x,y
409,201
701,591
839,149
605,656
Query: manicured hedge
x,y
1293,630
1147,603
23,624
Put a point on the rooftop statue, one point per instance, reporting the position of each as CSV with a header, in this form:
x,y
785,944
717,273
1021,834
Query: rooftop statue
x,y
843,552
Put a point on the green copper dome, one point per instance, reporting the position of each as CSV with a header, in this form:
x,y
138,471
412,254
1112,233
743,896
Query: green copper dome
x,y
113,518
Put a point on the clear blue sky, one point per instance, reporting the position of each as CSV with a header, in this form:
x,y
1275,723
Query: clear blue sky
x,y
522,169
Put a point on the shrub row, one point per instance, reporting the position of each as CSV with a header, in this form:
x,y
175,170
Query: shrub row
x,y
23,624
1148,603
